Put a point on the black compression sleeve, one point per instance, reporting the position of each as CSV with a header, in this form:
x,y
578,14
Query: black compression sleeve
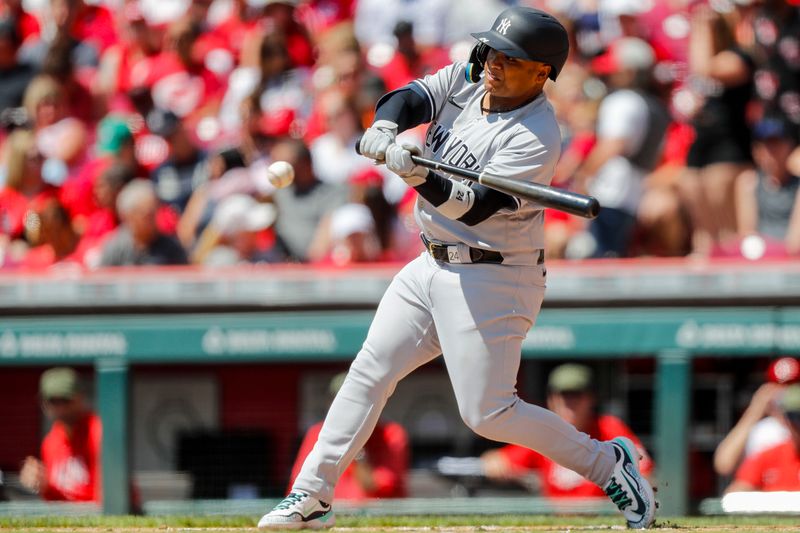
x,y
436,190
406,107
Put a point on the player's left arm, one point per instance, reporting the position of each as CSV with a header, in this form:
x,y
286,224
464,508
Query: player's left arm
x,y
524,156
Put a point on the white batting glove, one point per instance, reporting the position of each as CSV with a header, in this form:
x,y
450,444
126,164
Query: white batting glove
x,y
377,138
398,160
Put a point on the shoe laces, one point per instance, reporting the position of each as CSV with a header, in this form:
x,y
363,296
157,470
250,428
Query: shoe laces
x,y
618,495
290,500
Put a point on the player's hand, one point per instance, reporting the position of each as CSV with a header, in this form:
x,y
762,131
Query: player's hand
x,y
377,139
398,160
32,476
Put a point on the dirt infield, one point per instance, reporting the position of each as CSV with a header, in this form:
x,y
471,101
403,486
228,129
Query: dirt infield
x,y
401,524
403,529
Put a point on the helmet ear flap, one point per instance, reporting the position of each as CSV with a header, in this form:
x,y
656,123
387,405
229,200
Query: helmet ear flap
x,y
477,58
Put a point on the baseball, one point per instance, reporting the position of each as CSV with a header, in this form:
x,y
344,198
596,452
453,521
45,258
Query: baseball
x,y
280,174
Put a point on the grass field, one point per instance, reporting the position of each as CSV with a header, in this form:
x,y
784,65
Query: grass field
x,y
443,524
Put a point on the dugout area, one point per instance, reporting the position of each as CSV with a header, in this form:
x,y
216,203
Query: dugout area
x,y
192,372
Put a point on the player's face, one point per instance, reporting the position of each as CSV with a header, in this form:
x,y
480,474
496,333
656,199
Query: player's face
x,y
511,77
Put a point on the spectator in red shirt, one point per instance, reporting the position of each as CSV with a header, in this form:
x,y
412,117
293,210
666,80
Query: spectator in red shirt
x,y
380,469
570,396
69,468
25,23
777,468
23,182
55,240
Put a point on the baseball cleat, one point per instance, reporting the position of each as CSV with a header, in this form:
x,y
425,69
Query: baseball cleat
x,y
299,510
628,489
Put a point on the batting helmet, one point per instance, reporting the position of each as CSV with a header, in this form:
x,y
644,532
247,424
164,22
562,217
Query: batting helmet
x,y
531,34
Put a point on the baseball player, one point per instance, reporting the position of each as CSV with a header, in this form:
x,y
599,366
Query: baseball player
x,y
475,292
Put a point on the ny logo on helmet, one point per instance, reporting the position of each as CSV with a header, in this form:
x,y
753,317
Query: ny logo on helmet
x,y
503,26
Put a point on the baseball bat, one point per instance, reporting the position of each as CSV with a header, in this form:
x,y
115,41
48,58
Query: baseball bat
x,y
570,202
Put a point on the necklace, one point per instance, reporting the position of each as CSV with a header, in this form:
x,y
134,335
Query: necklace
x,y
506,110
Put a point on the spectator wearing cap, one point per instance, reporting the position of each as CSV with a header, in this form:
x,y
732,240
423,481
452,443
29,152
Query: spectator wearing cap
x,y
138,241
346,237
721,78
303,204
768,196
185,169
236,234
69,467
114,146
570,395
379,470
631,122
760,425
776,468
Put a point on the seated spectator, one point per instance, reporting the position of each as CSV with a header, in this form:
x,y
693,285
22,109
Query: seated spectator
x,y
114,146
25,24
85,30
759,427
767,197
776,468
185,168
203,201
343,130
69,468
105,219
14,76
570,396
237,234
23,182
270,83
126,64
52,236
379,470
138,240
179,79
60,136
304,203
347,237
410,61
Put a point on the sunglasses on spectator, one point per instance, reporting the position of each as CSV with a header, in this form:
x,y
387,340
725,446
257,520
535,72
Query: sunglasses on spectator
x,y
793,417
58,401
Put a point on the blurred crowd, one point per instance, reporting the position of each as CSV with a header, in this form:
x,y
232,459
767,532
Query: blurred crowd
x,y
139,132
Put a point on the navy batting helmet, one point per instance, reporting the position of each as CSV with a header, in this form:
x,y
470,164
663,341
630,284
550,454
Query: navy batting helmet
x,y
529,33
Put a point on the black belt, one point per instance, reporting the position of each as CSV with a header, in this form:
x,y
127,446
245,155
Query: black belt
x,y
452,253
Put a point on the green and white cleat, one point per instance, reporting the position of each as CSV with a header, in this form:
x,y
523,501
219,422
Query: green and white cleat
x,y
299,510
628,489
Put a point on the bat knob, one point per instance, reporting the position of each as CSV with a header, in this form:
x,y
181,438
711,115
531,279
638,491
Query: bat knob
x,y
592,208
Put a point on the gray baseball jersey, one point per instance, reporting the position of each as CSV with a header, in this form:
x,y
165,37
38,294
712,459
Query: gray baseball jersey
x,y
475,314
522,144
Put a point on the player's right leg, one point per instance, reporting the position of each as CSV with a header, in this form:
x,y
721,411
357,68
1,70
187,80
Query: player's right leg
x,y
628,489
401,338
